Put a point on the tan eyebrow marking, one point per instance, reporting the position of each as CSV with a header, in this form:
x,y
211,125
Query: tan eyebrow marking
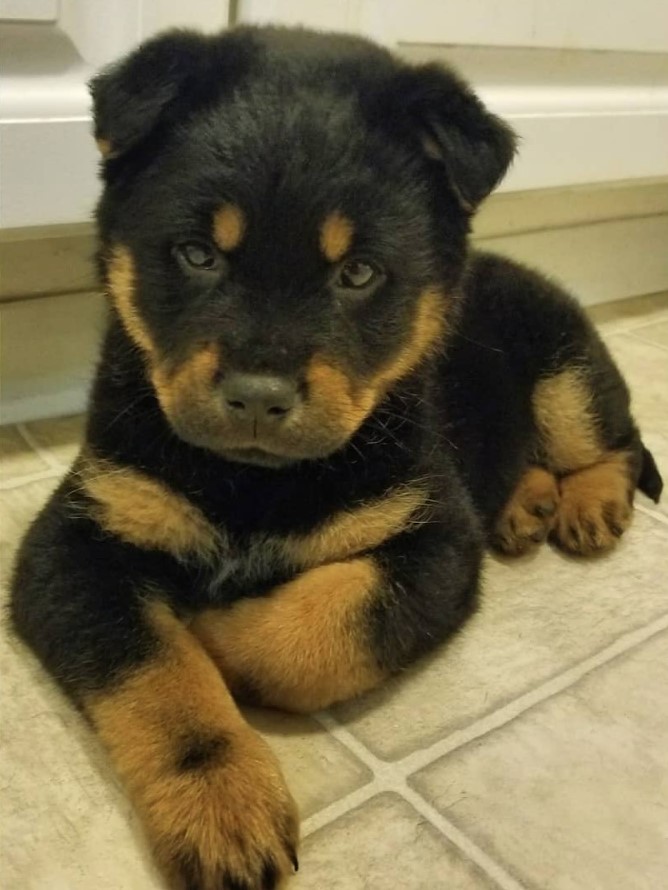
x,y
229,225
336,235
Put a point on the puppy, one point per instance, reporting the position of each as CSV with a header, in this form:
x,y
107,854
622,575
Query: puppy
x,y
315,405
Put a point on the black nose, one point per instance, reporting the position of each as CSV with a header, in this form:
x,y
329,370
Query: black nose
x,y
259,396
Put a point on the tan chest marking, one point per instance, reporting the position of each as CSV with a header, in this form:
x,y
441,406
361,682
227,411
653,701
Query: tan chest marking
x,y
353,532
146,512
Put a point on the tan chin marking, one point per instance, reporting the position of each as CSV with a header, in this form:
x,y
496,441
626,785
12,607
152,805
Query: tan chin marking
x,y
336,235
121,277
229,226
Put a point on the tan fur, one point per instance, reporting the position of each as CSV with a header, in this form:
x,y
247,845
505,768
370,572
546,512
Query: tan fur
x,y
529,514
336,235
231,815
427,333
190,382
104,147
121,276
229,226
565,420
303,647
146,512
351,532
596,505
344,402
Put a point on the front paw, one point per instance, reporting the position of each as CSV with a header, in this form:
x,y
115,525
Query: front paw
x,y
222,818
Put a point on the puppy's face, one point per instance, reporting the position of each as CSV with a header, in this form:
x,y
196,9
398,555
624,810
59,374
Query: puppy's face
x,y
283,249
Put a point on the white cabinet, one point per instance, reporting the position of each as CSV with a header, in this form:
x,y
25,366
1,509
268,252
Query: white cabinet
x,y
48,50
584,84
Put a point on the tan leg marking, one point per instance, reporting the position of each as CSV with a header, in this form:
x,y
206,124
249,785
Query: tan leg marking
x,y
229,227
304,646
146,512
336,235
529,514
220,819
595,507
565,420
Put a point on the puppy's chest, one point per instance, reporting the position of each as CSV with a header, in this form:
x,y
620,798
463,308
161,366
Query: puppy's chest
x,y
247,564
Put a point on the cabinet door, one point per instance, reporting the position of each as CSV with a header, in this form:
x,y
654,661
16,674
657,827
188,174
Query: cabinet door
x,y
584,84
49,50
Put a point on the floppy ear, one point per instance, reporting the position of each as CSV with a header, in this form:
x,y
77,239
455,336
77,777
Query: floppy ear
x,y
160,84
132,95
454,129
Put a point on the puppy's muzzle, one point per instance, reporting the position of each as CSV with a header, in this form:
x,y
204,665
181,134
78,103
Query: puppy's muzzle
x,y
265,401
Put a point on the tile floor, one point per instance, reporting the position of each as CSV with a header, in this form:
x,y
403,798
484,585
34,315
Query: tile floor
x,y
530,753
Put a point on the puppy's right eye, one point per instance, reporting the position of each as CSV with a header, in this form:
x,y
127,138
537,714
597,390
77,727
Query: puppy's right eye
x,y
199,256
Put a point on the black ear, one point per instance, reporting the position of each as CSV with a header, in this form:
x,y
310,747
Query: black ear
x,y
162,82
453,128
132,95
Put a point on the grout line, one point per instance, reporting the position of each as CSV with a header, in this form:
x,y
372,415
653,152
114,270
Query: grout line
x,y
18,481
390,777
340,807
462,841
629,325
44,453
650,511
393,775
419,759
635,336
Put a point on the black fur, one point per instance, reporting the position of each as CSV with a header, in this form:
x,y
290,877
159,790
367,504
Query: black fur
x,y
290,126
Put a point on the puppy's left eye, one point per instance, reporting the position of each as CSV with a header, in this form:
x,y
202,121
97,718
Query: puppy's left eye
x,y
357,275
197,255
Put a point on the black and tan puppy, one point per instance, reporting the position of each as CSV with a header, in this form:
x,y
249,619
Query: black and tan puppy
x,y
314,406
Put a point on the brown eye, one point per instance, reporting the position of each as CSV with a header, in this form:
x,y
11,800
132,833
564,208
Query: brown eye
x,y
198,256
356,275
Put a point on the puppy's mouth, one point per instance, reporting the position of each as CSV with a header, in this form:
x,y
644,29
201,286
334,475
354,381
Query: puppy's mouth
x,y
257,456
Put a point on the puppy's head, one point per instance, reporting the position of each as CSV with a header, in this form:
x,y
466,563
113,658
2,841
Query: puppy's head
x,y
284,227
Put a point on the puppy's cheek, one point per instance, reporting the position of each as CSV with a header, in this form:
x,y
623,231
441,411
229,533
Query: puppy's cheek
x,y
187,393
337,405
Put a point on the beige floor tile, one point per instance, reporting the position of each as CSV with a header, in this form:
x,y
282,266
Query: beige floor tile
x,y
623,315
384,845
573,794
18,507
16,456
539,616
64,822
653,333
60,436
318,769
646,370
